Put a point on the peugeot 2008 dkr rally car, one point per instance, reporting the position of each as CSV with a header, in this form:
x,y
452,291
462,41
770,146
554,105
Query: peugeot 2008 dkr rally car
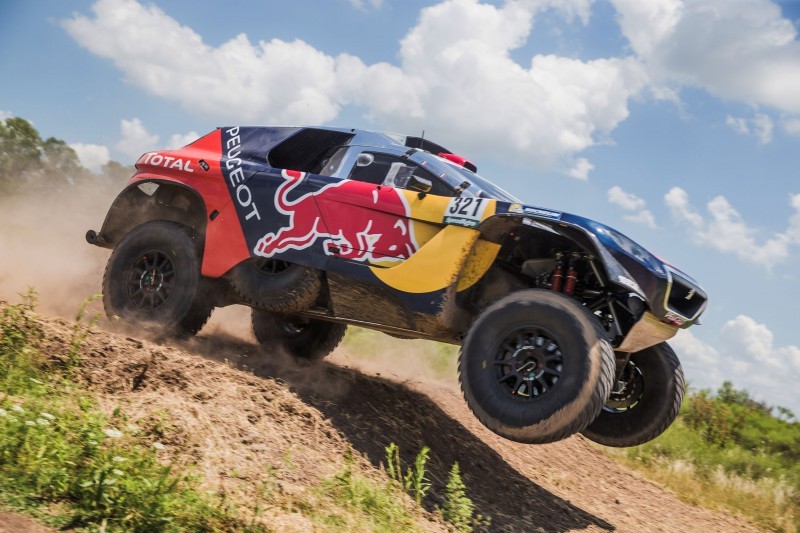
x,y
562,321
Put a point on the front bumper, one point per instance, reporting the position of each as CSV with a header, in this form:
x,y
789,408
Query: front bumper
x,y
647,332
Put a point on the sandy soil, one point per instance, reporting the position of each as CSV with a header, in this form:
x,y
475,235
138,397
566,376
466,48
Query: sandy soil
x,y
222,406
16,523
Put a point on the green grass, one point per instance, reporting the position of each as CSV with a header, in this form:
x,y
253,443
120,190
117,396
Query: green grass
x,y
369,505
62,458
727,451
68,463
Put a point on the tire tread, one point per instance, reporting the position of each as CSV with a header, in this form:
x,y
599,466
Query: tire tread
x,y
598,396
301,296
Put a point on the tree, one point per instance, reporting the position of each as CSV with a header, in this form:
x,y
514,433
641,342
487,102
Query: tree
x,y
60,166
30,163
731,396
116,173
20,151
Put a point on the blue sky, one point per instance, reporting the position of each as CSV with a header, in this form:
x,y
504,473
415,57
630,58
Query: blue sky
x,y
676,122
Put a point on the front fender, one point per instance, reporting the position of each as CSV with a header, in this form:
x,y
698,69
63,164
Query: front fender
x,y
497,227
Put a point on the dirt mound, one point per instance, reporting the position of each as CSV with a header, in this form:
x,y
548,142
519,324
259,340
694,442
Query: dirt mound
x,y
249,437
219,404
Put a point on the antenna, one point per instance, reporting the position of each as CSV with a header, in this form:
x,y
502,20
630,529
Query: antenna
x,y
422,139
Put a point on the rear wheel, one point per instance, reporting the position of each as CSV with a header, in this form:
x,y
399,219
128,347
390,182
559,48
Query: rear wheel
x,y
296,336
276,285
153,278
644,402
536,367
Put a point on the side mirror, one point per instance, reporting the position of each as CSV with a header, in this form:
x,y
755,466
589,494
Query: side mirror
x,y
415,183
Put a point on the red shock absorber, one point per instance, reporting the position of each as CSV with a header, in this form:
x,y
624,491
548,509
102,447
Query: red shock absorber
x,y
558,274
572,278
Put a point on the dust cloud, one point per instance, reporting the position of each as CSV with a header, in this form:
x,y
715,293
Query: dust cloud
x,y
42,246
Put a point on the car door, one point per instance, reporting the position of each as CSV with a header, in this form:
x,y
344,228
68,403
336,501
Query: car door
x,y
369,214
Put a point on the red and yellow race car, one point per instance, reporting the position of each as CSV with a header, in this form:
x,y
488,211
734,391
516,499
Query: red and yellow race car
x,y
562,320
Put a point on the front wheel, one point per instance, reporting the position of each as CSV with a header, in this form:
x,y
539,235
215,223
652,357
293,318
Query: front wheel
x,y
153,278
299,337
644,402
536,367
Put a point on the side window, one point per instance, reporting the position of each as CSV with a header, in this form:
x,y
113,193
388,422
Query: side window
x,y
332,162
440,188
382,169
372,168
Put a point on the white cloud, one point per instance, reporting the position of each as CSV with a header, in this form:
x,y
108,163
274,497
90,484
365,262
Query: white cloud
x,y
581,169
135,139
726,231
646,24
745,335
644,217
791,125
278,81
544,113
455,78
742,50
625,200
793,232
630,202
364,5
761,126
766,367
91,156
738,124
5,115
690,348
702,363
678,201
179,141
747,356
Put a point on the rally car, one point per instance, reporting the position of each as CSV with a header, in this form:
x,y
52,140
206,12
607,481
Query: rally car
x,y
562,321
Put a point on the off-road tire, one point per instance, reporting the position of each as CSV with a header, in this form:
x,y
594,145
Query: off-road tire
x,y
650,412
287,289
166,298
300,338
561,407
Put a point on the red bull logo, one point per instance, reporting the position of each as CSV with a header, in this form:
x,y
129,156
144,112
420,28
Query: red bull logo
x,y
355,220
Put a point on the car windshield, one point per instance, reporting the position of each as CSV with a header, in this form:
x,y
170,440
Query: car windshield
x,y
479,186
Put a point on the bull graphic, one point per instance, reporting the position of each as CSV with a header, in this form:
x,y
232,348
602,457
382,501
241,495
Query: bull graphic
x,y
369,235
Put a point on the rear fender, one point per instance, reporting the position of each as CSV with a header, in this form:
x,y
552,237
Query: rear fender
x,y
149,198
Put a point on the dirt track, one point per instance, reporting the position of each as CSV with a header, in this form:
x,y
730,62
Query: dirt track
x,y
234,423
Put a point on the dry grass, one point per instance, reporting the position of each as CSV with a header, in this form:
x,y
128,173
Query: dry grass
x,y
764,501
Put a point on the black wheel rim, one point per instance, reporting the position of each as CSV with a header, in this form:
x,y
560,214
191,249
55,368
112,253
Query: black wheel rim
x,y
272,266
151,280
528,363
627,391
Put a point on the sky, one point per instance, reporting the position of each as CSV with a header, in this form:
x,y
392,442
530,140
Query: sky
x,y
675,121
